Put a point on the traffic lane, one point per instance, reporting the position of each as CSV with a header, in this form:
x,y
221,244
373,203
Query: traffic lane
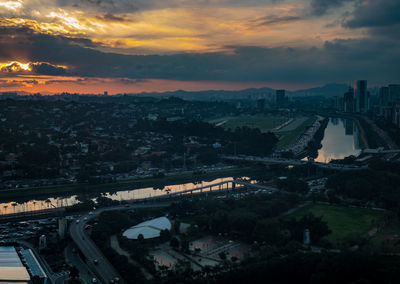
x,y
103,269
73,259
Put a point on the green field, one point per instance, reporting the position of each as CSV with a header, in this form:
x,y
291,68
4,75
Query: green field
x,y
343,221
288,137
264,123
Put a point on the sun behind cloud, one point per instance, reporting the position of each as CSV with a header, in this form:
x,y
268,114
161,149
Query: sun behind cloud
x,y
32,67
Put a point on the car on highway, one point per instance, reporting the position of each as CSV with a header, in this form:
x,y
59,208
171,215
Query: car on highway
x,y
77,221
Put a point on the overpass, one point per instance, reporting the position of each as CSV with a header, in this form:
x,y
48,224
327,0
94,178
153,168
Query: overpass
x,y
381,150
294,162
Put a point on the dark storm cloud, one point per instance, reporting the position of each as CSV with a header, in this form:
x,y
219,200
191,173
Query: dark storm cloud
x,y
383,13
109,6
340,61
44,68
130,6
321,7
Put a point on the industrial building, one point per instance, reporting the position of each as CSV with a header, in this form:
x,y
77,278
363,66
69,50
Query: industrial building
x,y
11,268
19,266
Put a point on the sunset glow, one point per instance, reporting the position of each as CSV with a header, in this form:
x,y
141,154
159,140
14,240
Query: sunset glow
x,y
289,43
14,66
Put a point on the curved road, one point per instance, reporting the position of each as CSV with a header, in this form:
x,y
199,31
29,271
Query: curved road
x,y
103,269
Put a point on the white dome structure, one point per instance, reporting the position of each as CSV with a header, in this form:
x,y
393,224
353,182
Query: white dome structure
x,y
148,229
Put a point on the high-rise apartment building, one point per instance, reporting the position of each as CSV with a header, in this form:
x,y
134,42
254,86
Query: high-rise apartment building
x,y
280,97
361,96
349,101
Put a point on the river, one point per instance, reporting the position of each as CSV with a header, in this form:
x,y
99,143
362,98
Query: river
x,y
131,194
340,140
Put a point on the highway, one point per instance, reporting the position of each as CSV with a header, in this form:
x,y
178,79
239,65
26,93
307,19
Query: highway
x,y
103,269
268,160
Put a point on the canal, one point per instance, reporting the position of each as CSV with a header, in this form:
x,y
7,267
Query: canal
x,y
130,194
341,139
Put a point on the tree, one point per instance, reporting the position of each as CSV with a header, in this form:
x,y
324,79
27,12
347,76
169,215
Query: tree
x,y
318,228
293,185
74,272
174,243
222,255
140,238
165,235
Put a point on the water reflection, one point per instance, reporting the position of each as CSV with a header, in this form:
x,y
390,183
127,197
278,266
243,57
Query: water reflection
x,y
340,140
131,194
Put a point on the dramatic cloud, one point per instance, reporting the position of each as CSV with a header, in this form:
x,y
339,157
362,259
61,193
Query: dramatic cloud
x,y
381,13
321,7
44,68
40,68
17,83
132,43
337,60
273,20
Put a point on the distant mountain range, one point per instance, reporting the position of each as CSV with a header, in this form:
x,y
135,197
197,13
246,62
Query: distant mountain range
x,y
223,95
326,90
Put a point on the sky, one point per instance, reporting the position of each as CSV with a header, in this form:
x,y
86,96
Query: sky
x,y
126,46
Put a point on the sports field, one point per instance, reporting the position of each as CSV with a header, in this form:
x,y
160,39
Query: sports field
x,y
343,221
264,123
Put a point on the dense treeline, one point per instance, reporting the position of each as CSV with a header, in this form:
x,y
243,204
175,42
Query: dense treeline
x,y
298,267
379,184
391,129
243,140
253,218
374,140
356,267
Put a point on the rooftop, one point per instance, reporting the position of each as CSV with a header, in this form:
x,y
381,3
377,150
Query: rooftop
x,y
148,229
11,267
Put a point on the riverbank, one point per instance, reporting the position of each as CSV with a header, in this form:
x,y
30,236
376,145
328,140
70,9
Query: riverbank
x,y
315,144
157,182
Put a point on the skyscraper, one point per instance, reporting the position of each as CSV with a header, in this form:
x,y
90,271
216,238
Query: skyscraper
x,y
362,96
394,92
280,97
348,101
384,96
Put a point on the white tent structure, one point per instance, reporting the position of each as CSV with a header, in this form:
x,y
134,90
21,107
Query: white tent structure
x,y
148,229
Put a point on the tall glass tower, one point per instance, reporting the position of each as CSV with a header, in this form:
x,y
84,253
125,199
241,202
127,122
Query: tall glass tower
x,y
362,96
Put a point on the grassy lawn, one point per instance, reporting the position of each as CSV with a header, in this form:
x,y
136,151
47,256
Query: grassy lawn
x,y
288,137
388,237
264,123
343,221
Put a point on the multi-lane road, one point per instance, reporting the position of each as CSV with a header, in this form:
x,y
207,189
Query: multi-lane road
x,y
95,259
269,160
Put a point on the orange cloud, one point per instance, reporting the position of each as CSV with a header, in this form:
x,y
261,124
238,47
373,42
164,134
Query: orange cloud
x,y
32,67
14,67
